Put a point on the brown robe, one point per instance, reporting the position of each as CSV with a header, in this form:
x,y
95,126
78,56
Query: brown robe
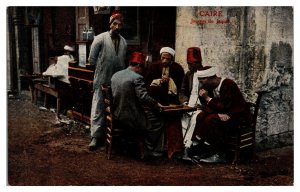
x,y
154,71
209,127
186,87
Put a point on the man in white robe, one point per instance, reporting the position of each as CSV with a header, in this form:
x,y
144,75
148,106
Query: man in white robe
x,y
108,52
59,70
189,96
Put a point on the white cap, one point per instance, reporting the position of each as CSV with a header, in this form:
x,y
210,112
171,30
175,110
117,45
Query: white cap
x,y
167,50
207,71
69,48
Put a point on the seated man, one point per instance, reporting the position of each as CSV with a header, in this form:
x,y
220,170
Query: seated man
x,y
59,70
164,78
224,106
189,96
129,97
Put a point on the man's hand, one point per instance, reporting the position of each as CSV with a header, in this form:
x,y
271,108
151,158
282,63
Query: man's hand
x,y
185,103
204,94
165,78
223,117
158,107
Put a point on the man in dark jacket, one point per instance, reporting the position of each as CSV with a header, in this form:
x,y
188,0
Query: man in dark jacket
x,y
164,78
134,107
224,106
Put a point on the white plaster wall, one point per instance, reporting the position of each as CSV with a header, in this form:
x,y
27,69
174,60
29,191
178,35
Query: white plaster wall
x,y
253,49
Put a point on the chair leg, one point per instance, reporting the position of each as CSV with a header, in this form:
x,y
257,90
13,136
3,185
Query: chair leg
x,y
141,149
108,148
235,157
252,151
109,152
236,151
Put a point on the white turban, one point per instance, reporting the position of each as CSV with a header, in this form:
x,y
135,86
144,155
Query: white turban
x,y
168,50
207,71
69,48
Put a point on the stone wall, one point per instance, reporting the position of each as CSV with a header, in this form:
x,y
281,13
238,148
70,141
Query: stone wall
x,y
254,47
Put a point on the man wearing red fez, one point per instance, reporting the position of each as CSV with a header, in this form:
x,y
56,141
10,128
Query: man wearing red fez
x,y
194,61
189,96
223,107
107,54
164,78
129,97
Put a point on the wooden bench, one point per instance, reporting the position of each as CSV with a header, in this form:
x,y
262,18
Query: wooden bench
x,y
57,93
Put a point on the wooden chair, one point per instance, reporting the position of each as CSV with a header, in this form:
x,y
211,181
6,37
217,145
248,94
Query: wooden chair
x,y
244,137
113,129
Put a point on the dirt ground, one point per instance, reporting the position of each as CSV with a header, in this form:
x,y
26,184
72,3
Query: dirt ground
x,y
44,152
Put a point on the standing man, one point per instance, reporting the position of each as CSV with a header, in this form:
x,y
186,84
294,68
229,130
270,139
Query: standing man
x,y
107,54
133,106
164,78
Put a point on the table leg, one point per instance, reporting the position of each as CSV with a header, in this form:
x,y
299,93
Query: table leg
x,y
174,136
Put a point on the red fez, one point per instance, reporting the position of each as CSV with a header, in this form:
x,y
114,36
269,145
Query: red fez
x,y
137,57
193,55
114,15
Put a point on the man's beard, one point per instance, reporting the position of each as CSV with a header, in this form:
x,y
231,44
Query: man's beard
x,y
116,32
166,64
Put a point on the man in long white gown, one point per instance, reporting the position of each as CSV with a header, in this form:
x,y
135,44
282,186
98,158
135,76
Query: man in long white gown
x,y
59,70
189,96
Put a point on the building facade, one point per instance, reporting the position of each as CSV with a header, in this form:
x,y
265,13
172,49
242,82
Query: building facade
x,y
251,45
254,47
